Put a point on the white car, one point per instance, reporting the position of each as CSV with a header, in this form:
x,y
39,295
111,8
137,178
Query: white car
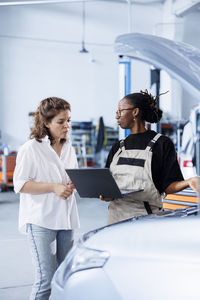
x,y
154,257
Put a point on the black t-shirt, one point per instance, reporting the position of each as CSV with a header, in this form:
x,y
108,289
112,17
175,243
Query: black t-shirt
x,y
165,168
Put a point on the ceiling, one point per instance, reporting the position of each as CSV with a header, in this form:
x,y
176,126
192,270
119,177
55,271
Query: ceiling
x,y
179,7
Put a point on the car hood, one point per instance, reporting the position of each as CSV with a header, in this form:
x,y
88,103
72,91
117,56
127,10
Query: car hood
x,y
149,236
163,229
180,60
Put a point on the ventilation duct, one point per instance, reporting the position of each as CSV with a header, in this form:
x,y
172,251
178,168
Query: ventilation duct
x,y
183,7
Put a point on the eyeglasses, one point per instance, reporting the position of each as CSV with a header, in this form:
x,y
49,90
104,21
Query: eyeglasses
x,y
119,111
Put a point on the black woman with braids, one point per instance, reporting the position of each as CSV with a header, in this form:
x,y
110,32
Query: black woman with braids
x,y
145,161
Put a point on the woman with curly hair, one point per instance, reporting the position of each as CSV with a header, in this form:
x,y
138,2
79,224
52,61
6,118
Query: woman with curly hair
x,y
48,211
145,161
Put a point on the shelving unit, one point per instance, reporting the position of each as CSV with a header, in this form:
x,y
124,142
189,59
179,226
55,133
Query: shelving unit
x,y
111,137
7,166
83,137
182,199
83,140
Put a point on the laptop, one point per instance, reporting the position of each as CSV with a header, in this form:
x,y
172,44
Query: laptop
x,y
93,182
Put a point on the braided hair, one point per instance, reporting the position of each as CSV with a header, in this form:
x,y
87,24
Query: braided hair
x,y
148,105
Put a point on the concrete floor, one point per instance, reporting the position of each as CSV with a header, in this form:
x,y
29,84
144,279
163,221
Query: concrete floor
x,y
16,274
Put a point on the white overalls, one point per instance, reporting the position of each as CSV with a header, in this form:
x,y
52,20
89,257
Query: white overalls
x,y
132,170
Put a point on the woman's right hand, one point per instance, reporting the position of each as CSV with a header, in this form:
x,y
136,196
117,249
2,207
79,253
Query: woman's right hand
x,y
63,191
105,199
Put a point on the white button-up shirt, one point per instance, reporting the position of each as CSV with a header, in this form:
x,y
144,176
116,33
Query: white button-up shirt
x,y
39,162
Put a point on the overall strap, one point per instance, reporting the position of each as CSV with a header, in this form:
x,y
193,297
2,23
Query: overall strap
x,y
121,144
152,142
147,207
121,147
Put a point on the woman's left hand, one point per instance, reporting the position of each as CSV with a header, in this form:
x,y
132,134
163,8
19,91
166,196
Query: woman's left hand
x,y
63,191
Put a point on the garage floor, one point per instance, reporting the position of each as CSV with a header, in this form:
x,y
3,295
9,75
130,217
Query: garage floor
x,y
16,274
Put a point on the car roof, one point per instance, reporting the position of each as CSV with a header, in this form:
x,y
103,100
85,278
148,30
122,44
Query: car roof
x,y
180,60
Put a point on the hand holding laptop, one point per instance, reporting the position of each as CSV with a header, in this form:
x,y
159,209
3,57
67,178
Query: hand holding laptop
x,y
70,184
106,199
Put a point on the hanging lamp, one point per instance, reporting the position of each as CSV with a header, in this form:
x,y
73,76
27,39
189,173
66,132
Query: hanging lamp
x,y
83,50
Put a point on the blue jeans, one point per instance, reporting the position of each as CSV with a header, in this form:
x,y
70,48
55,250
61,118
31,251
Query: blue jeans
x,y
48,249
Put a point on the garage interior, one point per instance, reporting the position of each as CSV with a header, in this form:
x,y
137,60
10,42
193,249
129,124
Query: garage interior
x,y
66,49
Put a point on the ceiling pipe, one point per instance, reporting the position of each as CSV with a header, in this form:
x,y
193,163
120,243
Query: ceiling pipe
x,y
32,2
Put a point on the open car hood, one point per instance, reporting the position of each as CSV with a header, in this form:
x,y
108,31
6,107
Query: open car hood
x,y
180,60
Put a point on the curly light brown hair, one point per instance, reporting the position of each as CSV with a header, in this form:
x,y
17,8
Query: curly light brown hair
x,y
46,111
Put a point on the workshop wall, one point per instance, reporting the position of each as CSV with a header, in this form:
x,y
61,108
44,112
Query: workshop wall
x,y
39,57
